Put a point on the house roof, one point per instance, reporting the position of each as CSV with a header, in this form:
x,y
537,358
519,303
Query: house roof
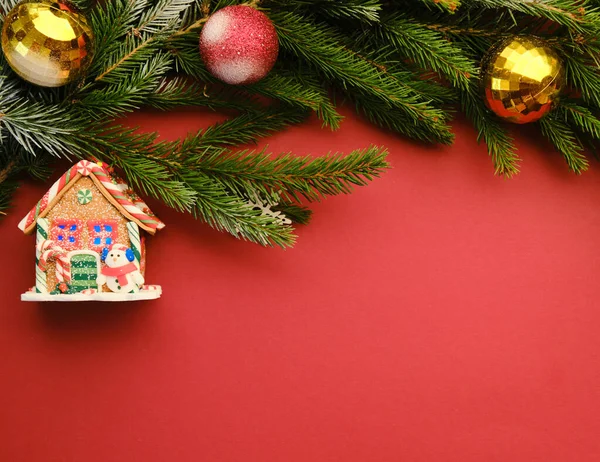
x,y
112,188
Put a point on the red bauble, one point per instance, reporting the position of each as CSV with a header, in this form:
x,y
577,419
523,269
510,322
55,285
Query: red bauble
x,y
239,45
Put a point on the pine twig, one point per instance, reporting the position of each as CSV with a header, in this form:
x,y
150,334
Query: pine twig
x,y
320,46
566,141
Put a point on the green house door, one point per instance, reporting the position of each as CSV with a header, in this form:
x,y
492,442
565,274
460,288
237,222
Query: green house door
x,y
84,271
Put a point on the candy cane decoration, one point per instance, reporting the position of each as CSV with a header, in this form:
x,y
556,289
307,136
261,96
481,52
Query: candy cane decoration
x,y
48,198
118,194
134,241
51,251
40,236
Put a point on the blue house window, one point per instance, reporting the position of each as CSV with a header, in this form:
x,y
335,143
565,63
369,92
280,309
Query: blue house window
x,y
67,233
102,233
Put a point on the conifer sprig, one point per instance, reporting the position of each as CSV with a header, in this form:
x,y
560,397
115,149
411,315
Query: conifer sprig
x,y
428,48
405,65
580,117
355,10
321,47
293,178
566,141
575,15
499,142
449,6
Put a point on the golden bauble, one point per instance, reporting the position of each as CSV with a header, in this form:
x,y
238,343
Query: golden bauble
x,y
47,43
521,78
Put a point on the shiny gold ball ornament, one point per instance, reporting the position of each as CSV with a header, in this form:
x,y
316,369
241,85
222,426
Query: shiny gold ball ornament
x,y
521,78
47,43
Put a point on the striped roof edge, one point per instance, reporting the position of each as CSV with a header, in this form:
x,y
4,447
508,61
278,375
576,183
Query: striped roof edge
x,y
113,188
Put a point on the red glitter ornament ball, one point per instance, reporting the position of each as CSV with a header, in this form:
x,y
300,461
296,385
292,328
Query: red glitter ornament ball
x,y
239,45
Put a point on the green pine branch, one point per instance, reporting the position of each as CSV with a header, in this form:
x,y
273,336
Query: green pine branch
x,y
172,93
296,213
378,113
320,46
566,142
575,15
126,95
584,76
293,178
579,117
499,143
224,211
405,65
302,91
426,47
449,6
7,186
150,169
243,129
361,10
111,22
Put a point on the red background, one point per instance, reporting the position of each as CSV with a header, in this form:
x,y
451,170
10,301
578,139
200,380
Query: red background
x,y
440,314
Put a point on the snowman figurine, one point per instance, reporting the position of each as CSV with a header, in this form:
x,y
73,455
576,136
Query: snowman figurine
x,y
120,273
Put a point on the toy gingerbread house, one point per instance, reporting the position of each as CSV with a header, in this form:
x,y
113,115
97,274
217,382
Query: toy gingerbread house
x,y
89,239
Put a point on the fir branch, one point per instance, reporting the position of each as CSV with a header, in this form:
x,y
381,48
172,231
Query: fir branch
x,y
38,167
128,94
361,10
320,46
136,155
580,117
291,88
292,178
197,9
226,212
165,171
449,6
175,92
6,6
34,126
423,83
429,86
294,212
7,189
584,76
426,47
243,129
111,21
500,144
162,15
152,168
187,189
184,49
301,91
134,52
378,113
566,141
572,14
7,170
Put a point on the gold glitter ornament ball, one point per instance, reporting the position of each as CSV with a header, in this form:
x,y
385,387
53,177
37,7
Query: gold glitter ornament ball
x,y
47,43
521,78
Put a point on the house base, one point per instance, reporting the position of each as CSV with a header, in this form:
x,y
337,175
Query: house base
x,y
145,294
